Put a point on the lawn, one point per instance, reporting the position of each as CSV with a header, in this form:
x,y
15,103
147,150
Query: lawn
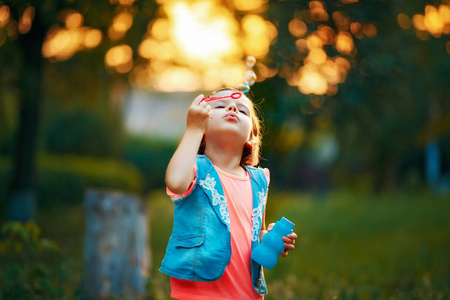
x,y
350,246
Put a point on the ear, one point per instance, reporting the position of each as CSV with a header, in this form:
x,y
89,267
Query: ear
x,y
248,144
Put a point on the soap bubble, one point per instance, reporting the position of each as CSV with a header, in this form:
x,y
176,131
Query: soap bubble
x,y
249,77
242,87
250,61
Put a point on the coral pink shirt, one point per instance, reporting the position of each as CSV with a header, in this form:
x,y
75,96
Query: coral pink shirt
x,y
236,282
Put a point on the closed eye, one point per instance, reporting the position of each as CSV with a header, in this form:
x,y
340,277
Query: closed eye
x,y
244,112
219,106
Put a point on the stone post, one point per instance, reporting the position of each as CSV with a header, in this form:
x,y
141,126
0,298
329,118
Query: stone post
x,y
116,247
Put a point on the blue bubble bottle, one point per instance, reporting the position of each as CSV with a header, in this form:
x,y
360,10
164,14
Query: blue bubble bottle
x,y
266,253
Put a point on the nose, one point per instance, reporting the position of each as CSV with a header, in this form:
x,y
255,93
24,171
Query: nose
x,y
232,107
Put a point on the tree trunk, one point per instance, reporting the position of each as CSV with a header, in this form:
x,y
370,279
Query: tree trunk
x,y
116,253
22,203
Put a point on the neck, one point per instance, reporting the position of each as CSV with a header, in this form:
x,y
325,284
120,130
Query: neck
x,y
228,160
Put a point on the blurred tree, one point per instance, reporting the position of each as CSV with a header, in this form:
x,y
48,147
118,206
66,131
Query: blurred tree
x,y
394,99
28,26
347,67
21,204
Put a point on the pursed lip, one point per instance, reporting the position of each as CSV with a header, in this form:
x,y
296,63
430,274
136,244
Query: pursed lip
x,y
231,115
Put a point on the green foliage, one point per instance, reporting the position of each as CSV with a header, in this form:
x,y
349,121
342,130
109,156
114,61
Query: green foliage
x,y
393,102
64,179
103,173
32,267
150,156
84,131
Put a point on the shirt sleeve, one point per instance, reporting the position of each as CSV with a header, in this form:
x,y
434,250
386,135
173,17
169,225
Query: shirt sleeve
x,y
189,190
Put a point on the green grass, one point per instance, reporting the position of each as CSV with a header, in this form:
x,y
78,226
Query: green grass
x,y
366,247
350,246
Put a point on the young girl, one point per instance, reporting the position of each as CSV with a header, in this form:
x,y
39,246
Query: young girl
x,y
219,202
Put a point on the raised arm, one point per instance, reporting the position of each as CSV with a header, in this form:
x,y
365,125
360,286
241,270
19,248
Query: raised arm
x,y
180,171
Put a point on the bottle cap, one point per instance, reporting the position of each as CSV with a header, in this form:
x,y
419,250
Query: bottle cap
x,y
287,223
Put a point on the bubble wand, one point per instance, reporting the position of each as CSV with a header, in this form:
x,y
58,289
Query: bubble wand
x,y
235,95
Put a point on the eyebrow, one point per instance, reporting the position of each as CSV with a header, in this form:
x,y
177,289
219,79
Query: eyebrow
x,y
239,103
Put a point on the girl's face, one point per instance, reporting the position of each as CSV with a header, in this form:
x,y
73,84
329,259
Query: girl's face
x,y
230,115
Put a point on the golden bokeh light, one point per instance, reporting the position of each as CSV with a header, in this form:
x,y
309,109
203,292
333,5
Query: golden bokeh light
x,y
183,76
356,29
118,55
331,72
62,43
202,30
125,68
73,20
147,48
317,56
317,11
301,45
258,35
265,72
444,13
4,15
314,41
160,29
26,20
203,42
312,82
435,21
122,2
327,34
370,30
92,38
11,29
404,21
418,22
122,22
120,58
120,25
342,63
321,79
341,20
321,74
344,43
432,20
297,28
248,5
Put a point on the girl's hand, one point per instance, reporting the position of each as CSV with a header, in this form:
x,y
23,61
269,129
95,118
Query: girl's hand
x,y
289,240
198,114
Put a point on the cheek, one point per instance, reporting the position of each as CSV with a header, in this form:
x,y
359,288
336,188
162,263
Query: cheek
x,y
249,126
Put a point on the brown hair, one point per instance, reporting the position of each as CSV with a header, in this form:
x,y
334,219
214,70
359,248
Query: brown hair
x,y
251,152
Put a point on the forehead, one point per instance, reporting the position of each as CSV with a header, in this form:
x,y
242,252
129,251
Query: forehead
x,y
243,99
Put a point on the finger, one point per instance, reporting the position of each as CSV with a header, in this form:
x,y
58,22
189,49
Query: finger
x,y
288,247
198,99
284,253
292,236
270,226
210,112
288,240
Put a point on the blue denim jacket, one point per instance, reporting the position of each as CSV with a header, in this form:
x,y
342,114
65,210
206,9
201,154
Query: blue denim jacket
x,y
199,248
